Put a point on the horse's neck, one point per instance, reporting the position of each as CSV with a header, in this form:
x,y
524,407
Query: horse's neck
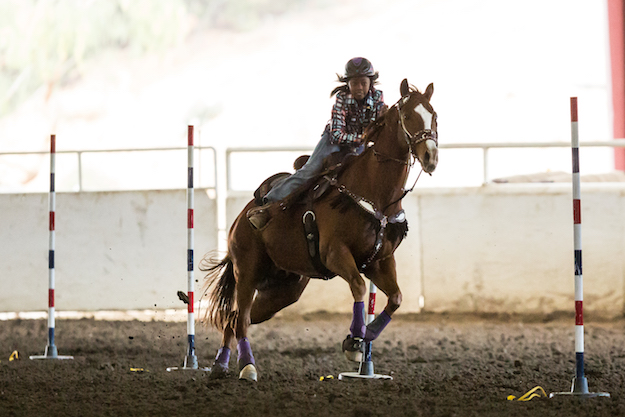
x,y
376,179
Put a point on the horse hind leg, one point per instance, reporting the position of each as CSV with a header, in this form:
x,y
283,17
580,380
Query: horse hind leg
x,y
246,288
220,282
283,290
245,359
220,368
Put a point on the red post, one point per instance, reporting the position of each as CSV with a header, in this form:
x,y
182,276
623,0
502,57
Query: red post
x,y
616,10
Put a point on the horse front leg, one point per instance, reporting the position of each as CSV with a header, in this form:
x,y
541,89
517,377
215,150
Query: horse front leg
x,y
341,261
384,275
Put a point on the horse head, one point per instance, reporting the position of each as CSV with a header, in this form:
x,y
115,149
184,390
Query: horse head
x,y
417,124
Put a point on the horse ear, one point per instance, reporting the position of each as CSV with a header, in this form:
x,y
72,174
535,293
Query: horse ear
x,y
403,88
429,91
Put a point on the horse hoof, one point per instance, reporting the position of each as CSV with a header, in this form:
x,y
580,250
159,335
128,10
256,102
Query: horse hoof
x,y
249,373
352,348
353,356
218,371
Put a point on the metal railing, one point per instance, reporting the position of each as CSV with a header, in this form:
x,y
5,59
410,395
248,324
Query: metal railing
x,y
231,151
79,154
615,143
485,147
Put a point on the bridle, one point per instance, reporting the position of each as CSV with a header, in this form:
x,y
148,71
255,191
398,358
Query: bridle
x,y
411,139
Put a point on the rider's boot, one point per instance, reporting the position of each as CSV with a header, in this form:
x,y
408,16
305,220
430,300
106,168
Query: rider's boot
x,y
259,216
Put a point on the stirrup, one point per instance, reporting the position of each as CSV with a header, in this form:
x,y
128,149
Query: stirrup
x,y
353,348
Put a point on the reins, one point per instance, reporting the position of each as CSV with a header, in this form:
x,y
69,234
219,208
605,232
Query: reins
x,y
405,193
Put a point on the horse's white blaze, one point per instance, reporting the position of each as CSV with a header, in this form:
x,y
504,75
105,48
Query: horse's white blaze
x,y
425,115
431,145
433,151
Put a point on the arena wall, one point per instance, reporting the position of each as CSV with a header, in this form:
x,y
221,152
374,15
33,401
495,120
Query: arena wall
x,y
114,250
497,248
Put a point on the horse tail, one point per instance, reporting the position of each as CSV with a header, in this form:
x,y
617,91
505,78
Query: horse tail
x,y
220,284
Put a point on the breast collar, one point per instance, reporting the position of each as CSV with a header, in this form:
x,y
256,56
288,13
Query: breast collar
x,y
370,208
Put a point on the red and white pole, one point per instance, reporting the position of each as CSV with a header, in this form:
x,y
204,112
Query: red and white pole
x,y
190,359
51,351
579,386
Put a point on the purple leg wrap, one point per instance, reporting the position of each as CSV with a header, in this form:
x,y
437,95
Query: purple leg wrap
x,y
223,356
376,326
245,353
357,328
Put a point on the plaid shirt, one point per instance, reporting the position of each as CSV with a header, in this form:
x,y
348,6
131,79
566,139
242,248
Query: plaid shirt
x,y
349,118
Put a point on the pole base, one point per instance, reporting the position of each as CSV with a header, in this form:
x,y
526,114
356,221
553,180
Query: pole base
x,y
51,352
355,375
579,389
365,372
190,364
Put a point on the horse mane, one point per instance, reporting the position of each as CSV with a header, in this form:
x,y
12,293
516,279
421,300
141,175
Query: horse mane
x,y
374,127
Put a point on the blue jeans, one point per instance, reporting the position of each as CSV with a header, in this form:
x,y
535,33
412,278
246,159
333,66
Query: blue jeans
x,y
311,169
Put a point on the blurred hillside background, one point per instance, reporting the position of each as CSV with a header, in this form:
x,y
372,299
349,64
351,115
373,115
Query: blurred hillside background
x,y
121,74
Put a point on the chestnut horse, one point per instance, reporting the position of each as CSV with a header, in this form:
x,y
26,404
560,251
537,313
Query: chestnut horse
x,y
360,223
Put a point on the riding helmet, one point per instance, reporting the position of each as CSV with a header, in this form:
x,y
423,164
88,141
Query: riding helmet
x,y
359,67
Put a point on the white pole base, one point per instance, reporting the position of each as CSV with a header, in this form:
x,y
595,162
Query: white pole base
x,y
579,389
356,375
190,364
50,353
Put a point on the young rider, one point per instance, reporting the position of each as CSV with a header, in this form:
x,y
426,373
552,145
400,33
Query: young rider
x,y
357,104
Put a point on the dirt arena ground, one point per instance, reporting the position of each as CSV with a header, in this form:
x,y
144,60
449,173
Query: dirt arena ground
x,y
441,366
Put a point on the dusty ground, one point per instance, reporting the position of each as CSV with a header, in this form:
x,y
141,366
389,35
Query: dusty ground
x,y
441,365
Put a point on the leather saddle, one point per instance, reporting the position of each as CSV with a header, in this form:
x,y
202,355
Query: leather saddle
x,y
306,194
332,164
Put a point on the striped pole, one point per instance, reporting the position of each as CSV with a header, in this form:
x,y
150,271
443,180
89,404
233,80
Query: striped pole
x,y
51,351
580,383
190,360
365,370
366,367
577,248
